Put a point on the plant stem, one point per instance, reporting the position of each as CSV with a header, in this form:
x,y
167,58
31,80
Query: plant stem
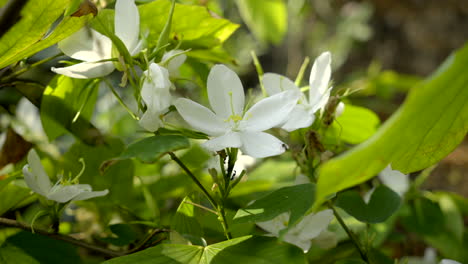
x,y
351,235
68,239
219,207
28,67
119,99
259,69
197,182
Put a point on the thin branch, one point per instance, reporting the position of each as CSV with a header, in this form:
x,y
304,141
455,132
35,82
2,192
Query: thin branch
x,y
68,239
202,207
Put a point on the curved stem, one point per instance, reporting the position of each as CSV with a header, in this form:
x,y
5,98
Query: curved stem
x,y
351,235
219,207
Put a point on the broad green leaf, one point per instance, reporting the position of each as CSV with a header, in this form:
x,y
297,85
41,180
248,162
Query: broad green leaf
x,y
185,221
247,249
350,261
11,196
429,125
150,149
453,217
382,204
39,247
267,19
11,254
355,125
295,199
67,105
123,235
31,34
192,24
118,178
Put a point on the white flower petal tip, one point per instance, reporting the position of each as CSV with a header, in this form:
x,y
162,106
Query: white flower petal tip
x,y
275,83
90,46
340,108
395,180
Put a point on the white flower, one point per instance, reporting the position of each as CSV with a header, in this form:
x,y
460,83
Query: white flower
x,y
230,125
174,59
37,179
395,180
91,46
156,95
449,261
303,113
303,232
243,162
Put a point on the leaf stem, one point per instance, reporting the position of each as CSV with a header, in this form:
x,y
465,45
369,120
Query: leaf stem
x,y
351,235
28,67
219,207
119,99
259,69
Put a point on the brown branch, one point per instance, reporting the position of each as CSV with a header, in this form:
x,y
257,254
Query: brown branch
x,y
76,242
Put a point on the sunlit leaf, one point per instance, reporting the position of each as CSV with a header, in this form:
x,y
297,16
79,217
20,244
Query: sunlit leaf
x,y
12,254
294,199
31,34
267,19
429,125
150,149
247,249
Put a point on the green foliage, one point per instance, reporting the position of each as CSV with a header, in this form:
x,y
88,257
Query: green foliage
x,y
355,125
12,254
382,204
37,20
294,199
245,249
12,194
425,129
267,19
150,149
123,235
185,221
67,105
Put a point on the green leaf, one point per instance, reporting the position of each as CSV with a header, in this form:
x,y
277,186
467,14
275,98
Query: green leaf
x,y
150,149
429,125
192,24
247,249
11,254
185,221
31,33
67,105
382,204
453,217
295,199
39,247
268,19
124,235
355,125
118,178
12,195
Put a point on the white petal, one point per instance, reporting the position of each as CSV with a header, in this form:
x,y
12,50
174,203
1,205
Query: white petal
x,y
449,261
88,195
275,83
87,45
270,111
395,180
229,140
319,76
320,102
86,70
275,225
175,62
339,109
155,93
151,121
298,118
312,224
303,244
37,179
261,144
200,117
225,92
64,193
127,23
